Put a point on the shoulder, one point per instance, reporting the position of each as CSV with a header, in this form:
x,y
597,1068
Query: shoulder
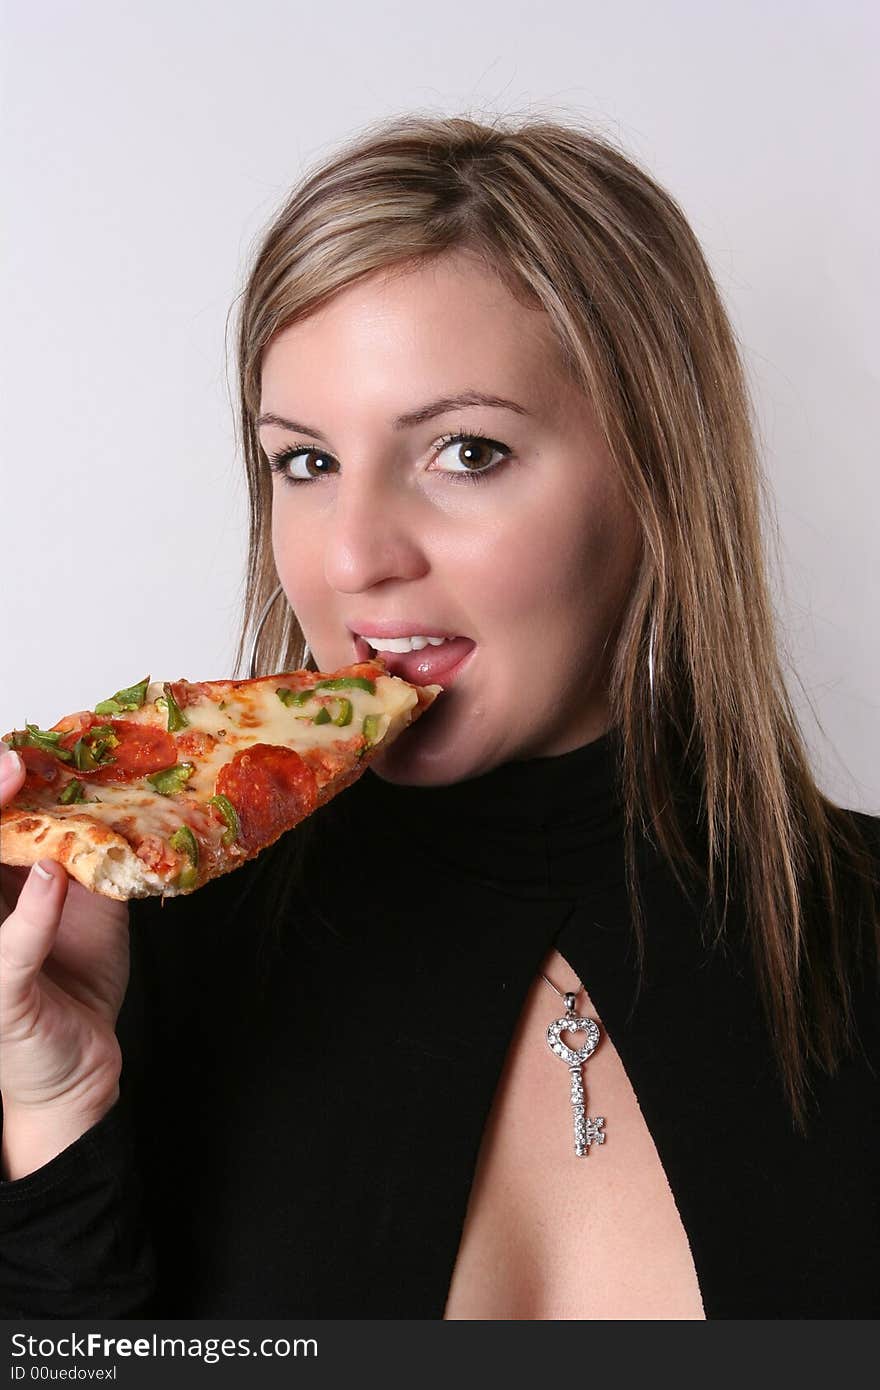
x,y
857,866
857,861
868,827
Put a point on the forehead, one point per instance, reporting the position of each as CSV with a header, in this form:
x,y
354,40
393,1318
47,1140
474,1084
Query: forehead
x,y
404,334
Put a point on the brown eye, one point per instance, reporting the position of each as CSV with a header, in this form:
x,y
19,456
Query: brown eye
x,y
472,455
316,464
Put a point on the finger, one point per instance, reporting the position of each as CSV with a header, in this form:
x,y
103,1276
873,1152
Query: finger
x,y
12,774
27,935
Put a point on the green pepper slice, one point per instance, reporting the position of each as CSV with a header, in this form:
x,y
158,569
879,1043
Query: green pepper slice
x,y
294,697
184,842
176,717
49,736
92,750
46,739
171,779
230,815
72,793
83,756
347,683
344,714
101,748
371,727
103,731
132,698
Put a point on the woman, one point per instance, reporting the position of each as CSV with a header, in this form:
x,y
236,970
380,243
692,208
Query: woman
x,y
527,432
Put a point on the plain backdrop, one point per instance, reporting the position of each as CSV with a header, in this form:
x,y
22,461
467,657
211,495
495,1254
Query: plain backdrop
x,y
145,146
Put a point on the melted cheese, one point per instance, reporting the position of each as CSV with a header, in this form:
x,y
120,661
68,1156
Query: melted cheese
x,y
251,713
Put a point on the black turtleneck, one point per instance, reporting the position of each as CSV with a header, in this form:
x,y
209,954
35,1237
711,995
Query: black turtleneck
x,y
312,1044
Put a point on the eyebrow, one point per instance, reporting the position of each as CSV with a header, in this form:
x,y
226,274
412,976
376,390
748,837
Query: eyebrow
x,y
441,406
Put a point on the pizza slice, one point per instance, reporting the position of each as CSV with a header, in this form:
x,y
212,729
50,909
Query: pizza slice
x,y
166,786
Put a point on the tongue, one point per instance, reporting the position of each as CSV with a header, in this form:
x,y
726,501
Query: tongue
x,y
428,665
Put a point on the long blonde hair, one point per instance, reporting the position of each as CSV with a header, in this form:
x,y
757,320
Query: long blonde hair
x,y
574,226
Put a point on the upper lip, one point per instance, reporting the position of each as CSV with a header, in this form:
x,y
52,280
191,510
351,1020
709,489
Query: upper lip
x,y
391,627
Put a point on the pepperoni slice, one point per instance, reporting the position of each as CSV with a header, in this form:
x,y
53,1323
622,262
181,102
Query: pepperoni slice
x,y
41,767
141,749
271,789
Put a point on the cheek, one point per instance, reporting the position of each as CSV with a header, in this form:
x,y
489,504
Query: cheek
x,y
296,554
567,566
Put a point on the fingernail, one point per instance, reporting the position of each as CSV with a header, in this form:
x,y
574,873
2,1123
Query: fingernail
x,y
9,765
42,871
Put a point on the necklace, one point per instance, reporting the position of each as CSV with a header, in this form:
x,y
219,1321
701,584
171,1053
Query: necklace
x,y
586,1131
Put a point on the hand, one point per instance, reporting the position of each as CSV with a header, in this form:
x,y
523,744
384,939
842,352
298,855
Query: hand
x,y
64,963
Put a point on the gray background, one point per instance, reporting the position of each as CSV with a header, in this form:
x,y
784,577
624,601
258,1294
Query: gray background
x,y
146,145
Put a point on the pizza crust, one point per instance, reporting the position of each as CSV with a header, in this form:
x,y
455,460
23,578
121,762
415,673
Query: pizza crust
x,y
92,853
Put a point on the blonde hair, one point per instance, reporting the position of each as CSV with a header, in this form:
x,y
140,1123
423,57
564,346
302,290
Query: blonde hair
x,y
572,225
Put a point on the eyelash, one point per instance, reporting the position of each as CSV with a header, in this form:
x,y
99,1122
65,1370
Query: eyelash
x,y
279,461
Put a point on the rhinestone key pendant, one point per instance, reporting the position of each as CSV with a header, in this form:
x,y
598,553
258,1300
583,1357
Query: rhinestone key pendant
x,y
586,1131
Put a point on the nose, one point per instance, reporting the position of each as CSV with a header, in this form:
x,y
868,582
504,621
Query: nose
x,y
373,534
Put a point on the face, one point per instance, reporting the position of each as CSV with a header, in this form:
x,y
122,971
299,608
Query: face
x,y
517,539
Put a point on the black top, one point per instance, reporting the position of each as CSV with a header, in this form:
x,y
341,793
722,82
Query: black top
x,y
309,1064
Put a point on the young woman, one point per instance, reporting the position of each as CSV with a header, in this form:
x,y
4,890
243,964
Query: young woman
x,y
495,427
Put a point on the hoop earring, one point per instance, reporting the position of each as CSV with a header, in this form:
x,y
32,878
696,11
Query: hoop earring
x,y
261,623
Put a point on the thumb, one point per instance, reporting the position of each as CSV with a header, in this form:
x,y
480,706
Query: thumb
x,y
28,934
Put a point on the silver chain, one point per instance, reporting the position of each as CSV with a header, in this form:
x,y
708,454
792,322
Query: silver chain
x,y
561,992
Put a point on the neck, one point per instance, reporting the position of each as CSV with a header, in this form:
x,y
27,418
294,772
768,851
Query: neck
x,y
537,827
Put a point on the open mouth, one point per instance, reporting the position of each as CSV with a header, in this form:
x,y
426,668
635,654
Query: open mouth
x,y
427,666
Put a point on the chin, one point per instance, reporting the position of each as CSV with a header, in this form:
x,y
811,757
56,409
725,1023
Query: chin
x,y
448,743
403,771
426,762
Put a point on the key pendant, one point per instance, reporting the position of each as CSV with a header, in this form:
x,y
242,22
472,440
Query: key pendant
x,y
586,1131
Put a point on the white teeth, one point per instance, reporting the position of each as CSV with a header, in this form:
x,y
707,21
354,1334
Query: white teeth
x,y
403,644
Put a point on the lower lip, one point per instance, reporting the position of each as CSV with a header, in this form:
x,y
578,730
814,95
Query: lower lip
x,y
440,665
